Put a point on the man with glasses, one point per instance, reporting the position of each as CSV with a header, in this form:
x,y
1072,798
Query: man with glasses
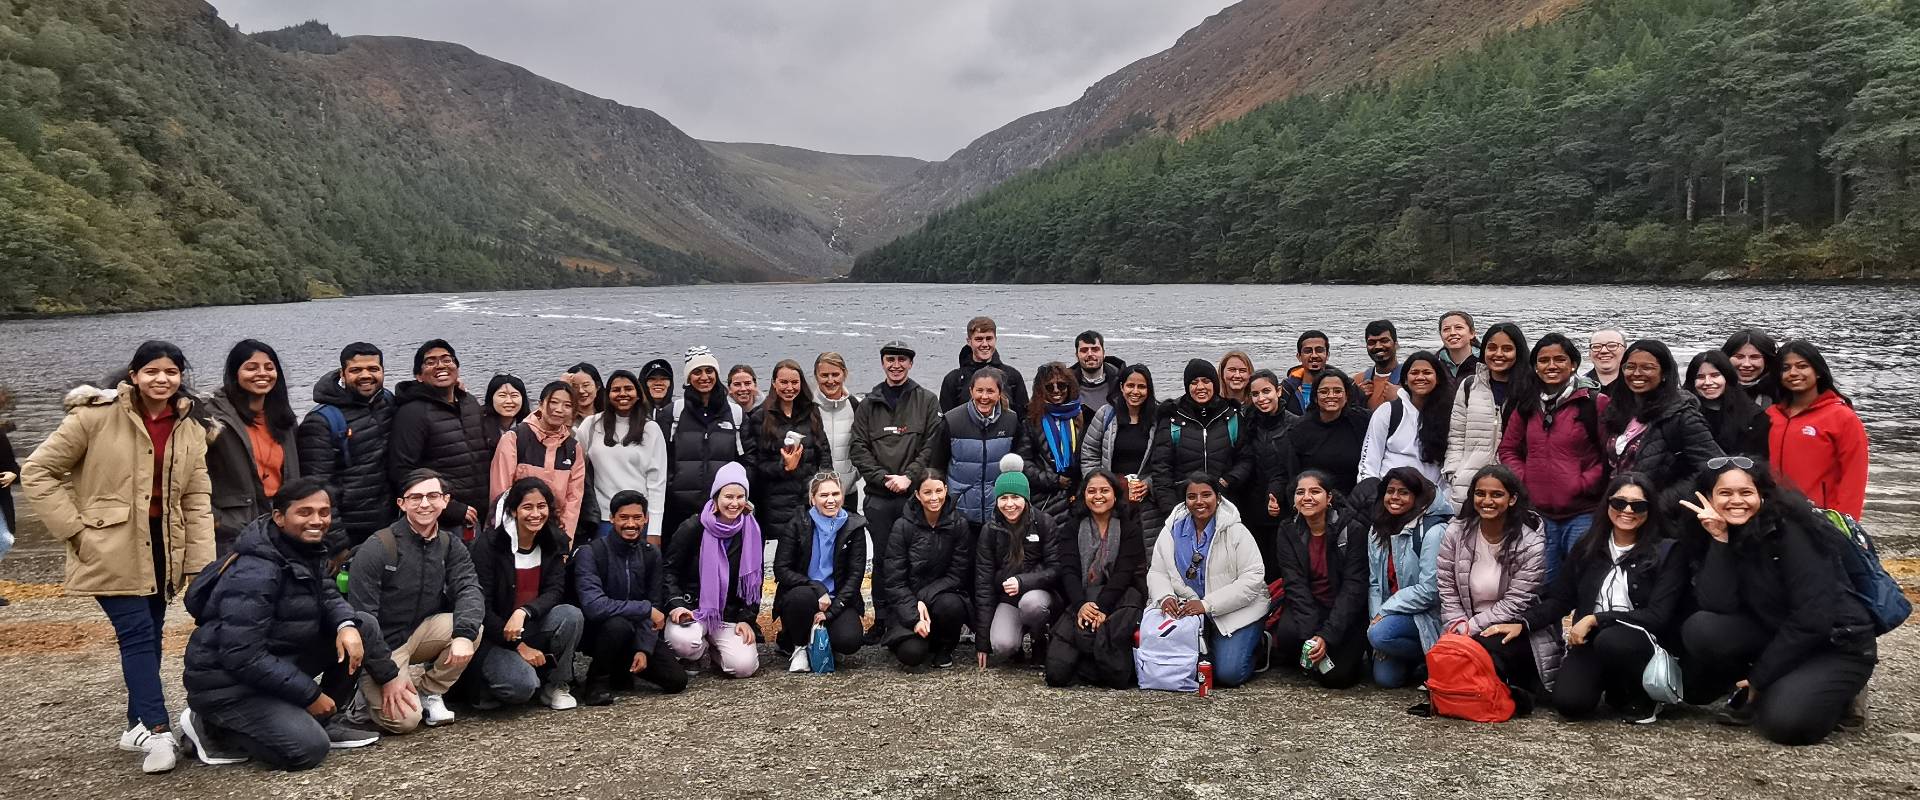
x,y
437,425
981,350
1604,349
416,580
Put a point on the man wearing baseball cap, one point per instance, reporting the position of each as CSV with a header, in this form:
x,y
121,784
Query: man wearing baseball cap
x,y
894,433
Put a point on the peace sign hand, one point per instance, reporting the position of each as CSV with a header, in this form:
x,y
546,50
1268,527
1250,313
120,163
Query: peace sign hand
x,y
1715,525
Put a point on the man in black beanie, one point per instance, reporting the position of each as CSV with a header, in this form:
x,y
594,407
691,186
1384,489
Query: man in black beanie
x,y
1200,432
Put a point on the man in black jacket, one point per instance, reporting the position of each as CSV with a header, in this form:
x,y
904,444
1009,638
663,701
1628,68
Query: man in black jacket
x,y
268,623
622,588
894,435
982,351
417,581
343,441
438,426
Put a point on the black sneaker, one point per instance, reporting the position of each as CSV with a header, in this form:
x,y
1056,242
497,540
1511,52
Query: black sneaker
x,y
873,635
1263,653
200,739
597,693
344,735
1736,711
943,660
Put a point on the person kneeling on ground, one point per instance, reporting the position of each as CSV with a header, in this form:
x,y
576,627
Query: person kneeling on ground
x,y
1409,522
271,623
715,577
929,570
819,563
521,566
1102,591
416,580
1016,565
1206,563
622,590
1493,565
1324,563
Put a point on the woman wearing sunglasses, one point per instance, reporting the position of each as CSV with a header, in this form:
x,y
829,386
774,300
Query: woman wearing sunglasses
x,y
1778,623
1622,585
1206,564
1817,441
1653,428
1493,566
1323,559
1051,444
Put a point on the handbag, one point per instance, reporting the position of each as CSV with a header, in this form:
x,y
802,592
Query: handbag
x,y
1661,679
820,652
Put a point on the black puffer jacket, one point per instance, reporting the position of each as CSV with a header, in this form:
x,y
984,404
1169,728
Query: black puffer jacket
x,y
1044,474
1045,558
492,553
703,440
363,495
1125,581
923,562
957,389
683,574
1656,581
1675,446
1210,441
1269,450
795,554
448,437
270,622
1789,577
1306,616
778,494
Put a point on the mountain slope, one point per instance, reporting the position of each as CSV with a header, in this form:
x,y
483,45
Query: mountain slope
x,y
821,188
1247,55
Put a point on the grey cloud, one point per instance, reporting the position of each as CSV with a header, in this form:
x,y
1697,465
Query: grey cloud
x,y
907,77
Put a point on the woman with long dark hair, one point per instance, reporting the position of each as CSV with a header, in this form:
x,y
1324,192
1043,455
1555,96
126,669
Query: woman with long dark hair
x,y
1654,428
1756,360
1051,447
253,449
589,397
1323,561
1554,441
123,484
1330,437
929,577
1738,424
781,464
1622,585
626,451
504,406
1268,424
1403,588
1398,432
1493,567
1480,407
1017,568
1817,441
530,634
1102,595
544,447
1119,439
1778,623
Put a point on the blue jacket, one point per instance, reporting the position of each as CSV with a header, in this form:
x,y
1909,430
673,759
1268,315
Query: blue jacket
x,y
269,624
1416,568
618,578
974,449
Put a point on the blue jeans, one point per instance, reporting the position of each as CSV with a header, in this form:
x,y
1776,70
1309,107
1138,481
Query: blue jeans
x,y
1232,656
137,623
1396,650
1561,537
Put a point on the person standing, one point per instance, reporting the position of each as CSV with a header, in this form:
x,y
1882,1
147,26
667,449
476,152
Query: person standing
x,y
1200,432
781,467
589,396
543,447
531,632
1458,350
1236,371
1817,442
1607,346
656,385
982,350
1297,388
1119,439
271,623
417,583
1050,446
122,483
504,406
978,436
895,433
836,406
343,441
1740,426
1098,373
1381,380
1480,402
438,426
1656,429
626,451
1756,358
705,438
622,588
1330,438
259,451
1410,430
1269,425
1554,440
743,387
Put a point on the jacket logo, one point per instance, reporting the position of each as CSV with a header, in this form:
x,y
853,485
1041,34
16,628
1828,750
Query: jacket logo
x,y
1809,430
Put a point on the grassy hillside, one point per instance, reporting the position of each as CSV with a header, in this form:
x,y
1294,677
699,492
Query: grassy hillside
x,y
1628,140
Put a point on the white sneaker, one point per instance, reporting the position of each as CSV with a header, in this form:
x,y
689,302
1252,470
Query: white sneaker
x,y
163,752
558,698
196,743
433,711
134,740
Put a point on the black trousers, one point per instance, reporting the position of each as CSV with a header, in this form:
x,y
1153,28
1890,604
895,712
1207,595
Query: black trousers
x,y
272,730
1802,706
796,609
1515,661
947,613
883,509
611,643
1350,662
1609,665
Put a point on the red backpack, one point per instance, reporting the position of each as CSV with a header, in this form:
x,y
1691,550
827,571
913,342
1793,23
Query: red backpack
x,y
1462,682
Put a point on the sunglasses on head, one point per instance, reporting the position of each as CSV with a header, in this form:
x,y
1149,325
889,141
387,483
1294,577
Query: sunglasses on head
x,y
1741,462
1629,506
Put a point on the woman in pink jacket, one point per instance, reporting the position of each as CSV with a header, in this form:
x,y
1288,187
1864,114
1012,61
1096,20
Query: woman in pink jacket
x,y
544,447
1492,570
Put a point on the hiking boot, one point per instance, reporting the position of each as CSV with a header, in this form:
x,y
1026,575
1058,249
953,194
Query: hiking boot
x,y
1855,719
344,735
558,698
200,741
597,692
434,711
163,753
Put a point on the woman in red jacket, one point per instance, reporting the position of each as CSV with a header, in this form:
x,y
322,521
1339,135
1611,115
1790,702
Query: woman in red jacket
x,y
1817,443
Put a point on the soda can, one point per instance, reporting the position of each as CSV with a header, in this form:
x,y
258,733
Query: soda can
x,y
1306,662
1206,677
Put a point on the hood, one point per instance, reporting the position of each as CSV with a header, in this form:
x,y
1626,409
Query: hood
x,y
547,540
967,361
416,391
1225,516
553,439
89,395
328,391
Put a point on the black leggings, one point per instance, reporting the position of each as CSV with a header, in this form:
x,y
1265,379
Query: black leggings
x,y
796,609
1802,706
1350,662
947,613
611,644
1514,660
1609,664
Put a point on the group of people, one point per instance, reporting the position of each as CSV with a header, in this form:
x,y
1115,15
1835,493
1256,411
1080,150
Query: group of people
x,y
354,570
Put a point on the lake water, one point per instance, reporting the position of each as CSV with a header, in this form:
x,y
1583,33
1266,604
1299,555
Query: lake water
x,y
1864,331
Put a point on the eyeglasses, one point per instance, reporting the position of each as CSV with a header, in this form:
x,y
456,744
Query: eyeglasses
x,y
1608,347
1739,461
416,499
1629,506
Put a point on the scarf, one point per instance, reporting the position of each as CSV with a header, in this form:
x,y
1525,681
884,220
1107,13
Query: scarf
x,y
1061,427
713,565
1096,550
1187,542
1550,403
826,531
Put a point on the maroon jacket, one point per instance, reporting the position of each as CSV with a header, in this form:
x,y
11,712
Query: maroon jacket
x,y
1563,467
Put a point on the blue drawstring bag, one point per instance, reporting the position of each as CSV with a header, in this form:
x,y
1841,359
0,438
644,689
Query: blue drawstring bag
x,y
820,652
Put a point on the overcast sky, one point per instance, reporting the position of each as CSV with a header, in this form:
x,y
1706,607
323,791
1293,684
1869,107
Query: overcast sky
x,y
900,77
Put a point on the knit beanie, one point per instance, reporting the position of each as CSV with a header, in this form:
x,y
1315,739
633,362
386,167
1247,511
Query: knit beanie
x,y
699,356
731,472
1013,478
1197,369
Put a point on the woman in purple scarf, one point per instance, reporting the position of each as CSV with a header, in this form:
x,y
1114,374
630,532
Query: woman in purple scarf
x,y
714,579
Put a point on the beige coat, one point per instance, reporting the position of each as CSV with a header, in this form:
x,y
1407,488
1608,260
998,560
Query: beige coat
x,y
91,483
